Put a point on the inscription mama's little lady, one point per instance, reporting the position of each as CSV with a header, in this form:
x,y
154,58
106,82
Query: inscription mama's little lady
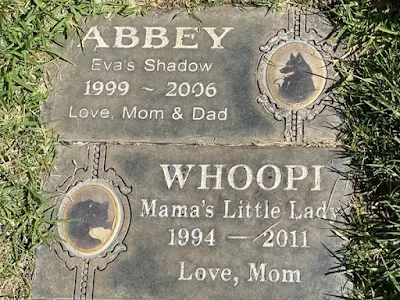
x,y
238,209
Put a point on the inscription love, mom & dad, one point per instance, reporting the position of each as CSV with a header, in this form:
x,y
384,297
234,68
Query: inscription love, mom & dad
x,y
126,37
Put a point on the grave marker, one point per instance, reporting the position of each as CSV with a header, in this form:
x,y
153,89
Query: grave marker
x,y
243,77
152,216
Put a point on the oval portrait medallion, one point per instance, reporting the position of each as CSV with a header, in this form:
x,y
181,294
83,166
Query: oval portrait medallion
x,y
93,215
296,75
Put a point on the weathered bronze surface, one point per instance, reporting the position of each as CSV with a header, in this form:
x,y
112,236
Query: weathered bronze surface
x,y
249,77
203,222
184,171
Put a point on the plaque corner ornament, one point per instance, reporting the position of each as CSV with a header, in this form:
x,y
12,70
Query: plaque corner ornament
x,y
98,199
294,75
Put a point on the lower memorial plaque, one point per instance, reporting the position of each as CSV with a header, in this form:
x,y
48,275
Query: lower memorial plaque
x,y
180,222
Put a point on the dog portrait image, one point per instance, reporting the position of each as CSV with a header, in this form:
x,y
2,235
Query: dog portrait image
x,y
87,218
297,83
295,75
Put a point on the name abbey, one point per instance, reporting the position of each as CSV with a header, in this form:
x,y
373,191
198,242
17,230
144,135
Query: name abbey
x,y
158,37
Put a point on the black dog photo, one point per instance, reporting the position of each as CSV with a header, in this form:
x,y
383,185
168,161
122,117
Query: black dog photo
x,y
298,84
89,217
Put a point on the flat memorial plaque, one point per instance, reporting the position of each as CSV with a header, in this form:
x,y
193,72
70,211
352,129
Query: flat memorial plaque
x,y
236,77
191,222
150,216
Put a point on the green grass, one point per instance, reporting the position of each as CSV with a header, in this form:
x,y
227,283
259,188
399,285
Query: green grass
x,y
28,30
371,117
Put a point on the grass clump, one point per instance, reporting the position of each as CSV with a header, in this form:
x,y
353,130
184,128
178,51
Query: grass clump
x,y
28,30
371,115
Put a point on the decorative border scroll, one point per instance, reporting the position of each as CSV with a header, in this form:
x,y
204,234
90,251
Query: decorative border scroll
x,y
297,31
85,267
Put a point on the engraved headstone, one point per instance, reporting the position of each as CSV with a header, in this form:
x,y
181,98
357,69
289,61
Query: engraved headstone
x,y
246,76
147,215
173,222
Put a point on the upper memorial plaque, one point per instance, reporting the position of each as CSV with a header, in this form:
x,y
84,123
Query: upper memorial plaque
x,y
236,77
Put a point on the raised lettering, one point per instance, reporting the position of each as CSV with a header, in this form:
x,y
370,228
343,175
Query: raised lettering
x,y
94,34
130,35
